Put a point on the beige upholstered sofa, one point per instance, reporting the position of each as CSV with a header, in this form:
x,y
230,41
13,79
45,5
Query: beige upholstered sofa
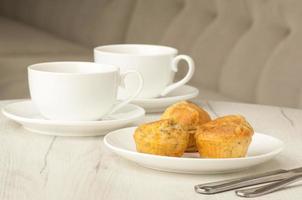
x,y
245,50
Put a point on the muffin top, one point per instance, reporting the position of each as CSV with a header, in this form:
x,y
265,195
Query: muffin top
x,y
166,126
226,127
186,114
163,137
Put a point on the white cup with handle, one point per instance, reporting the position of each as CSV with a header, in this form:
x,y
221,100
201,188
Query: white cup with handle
x,y
157,65
77,90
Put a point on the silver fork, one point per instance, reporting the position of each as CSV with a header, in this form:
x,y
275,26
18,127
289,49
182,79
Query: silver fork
x,y
269,188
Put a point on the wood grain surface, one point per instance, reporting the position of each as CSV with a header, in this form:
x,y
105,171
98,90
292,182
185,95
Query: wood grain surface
x,y
35,166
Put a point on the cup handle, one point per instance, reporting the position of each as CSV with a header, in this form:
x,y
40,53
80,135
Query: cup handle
x,y
122,84
183,81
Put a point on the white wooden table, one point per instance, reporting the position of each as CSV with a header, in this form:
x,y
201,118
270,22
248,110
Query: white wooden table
x,y
33,166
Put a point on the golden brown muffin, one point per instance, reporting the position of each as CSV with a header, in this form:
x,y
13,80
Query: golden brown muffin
x,y
224,137
163,137
188,115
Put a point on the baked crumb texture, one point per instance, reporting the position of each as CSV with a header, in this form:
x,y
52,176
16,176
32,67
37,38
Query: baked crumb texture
x,y
224,137
163,137
188,115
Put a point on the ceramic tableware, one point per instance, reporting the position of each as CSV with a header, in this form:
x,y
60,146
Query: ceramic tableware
x,y
26,114
77,90
262,149
155,105
157,65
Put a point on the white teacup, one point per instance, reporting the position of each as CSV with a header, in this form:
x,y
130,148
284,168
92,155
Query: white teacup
x,y
77,90
157,64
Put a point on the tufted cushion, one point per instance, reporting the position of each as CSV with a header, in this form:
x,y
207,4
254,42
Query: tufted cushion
x,y
150,19
32,40
207,94
245,64
88,22
281,79
245,50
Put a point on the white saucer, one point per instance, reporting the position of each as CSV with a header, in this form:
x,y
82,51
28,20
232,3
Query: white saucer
x,y
262,148
161,103
27,115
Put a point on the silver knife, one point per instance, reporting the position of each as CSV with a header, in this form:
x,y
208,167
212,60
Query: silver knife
x,y
226,185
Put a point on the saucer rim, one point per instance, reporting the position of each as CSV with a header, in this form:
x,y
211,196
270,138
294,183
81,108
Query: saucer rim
x,y
20,119
194,93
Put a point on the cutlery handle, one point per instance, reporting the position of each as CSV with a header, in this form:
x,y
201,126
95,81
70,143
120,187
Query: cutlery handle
x,y
262,190
221,186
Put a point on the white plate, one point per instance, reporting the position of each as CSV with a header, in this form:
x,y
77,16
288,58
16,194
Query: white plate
x,y
262,148
160,104
27,115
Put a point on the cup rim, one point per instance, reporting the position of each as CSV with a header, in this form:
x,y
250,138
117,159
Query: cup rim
x,y
168,50
38,68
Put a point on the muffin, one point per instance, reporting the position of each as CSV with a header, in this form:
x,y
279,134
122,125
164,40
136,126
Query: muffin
x,y
188,115
163,137
224,137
